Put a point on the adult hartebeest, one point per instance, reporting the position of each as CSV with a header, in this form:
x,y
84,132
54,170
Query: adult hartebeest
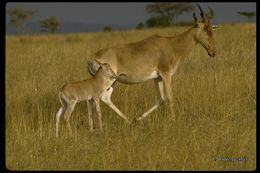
x,y
155,58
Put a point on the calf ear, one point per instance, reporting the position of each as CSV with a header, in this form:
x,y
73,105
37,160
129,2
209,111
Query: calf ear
x,y
106,64
108,70
98,61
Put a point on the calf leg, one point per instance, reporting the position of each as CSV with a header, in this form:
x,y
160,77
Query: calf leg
x,y
97,102
67,114
90,114
58,115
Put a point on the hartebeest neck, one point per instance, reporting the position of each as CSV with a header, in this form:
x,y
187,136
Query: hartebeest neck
x,y
184,43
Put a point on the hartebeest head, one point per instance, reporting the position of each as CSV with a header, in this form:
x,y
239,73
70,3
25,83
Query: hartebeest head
x,y
204,34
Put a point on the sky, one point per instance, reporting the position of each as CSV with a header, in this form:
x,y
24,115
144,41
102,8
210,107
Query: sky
x,y
123,13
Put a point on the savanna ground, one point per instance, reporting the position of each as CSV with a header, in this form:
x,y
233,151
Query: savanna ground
x,y
214,100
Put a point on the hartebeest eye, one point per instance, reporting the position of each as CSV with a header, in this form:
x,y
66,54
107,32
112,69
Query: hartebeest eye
x,y
205,28
214,27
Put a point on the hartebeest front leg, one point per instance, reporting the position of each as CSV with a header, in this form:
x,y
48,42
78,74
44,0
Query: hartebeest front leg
x,y
160,90
167,80
164,91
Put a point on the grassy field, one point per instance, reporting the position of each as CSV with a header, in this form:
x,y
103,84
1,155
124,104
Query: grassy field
x,y
214,101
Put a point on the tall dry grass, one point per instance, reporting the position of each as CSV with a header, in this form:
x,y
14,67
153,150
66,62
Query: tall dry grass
x,y
214,100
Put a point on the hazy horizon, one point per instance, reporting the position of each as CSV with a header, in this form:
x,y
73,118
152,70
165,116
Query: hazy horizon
x,y
123,14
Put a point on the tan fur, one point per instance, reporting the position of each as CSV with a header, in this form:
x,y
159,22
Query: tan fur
x,y
90,89
155,55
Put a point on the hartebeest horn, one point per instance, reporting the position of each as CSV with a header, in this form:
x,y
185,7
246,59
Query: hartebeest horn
x,y
195,17
201,11
211,13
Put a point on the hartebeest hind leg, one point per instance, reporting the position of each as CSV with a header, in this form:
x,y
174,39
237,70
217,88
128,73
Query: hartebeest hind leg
x,y
160,90
106,98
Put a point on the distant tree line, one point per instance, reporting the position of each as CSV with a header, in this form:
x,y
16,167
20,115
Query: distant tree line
x,y
166,14
248,15
162,15
50,24
20,17
107,28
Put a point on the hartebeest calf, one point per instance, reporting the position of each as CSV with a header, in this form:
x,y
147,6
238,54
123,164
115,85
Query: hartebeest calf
x,y
92,90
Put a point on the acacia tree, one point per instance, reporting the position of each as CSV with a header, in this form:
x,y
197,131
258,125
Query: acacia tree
x,y
158,21
50,24
169,11
108,28
19,17
140,26
248,15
